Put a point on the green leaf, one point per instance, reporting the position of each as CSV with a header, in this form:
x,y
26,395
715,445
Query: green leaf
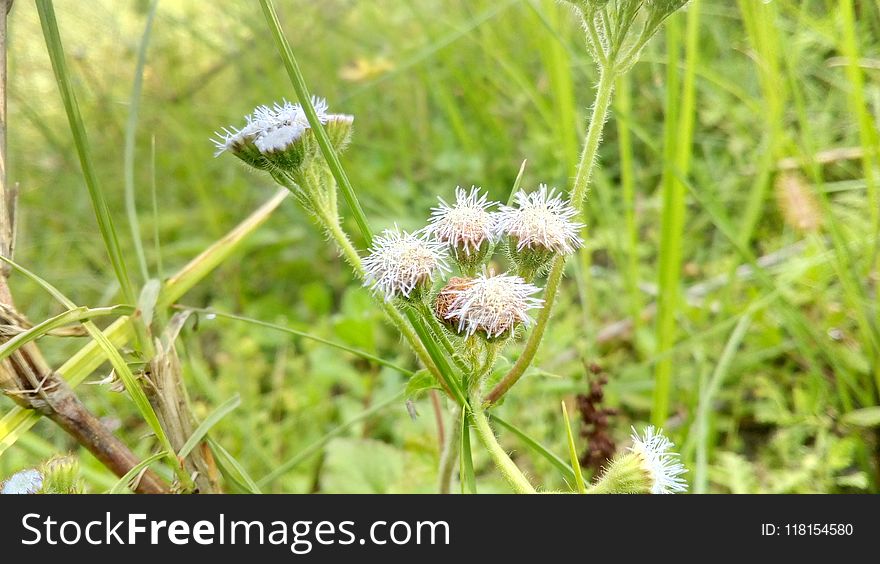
x,y
362,466
466,473
572,452
866,417
421,382
209,422
125,482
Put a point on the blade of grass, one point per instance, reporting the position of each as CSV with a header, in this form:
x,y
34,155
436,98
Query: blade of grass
x,y
102,210
305,99
516,183
160,268
538,448
572,453
124,482
357,352
78,367
677,137
704,408
76,314
316,446
628,195
232,469
760,22
130,133
212,419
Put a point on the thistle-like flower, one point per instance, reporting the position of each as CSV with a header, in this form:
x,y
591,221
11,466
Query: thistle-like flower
x,y
493,305
662,465
280,136
466,226
402,264
539,227
541,220
649,467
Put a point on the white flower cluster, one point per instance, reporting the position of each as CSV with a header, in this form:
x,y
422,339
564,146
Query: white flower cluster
x,y
658,460
492,305
273,129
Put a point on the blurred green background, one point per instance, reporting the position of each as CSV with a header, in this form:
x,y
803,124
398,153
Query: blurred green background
x,y
775,376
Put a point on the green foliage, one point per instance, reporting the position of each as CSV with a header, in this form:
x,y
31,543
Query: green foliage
x,y
776,86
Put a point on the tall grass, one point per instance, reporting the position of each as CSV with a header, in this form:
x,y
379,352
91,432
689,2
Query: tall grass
x,y
769,371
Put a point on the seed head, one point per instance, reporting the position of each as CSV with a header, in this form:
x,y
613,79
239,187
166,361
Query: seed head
x,y
542,220
493,304
400,263
446,298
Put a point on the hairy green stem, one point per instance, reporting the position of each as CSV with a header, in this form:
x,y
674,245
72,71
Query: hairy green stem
x,y
509,469
578,193
450,453
335,231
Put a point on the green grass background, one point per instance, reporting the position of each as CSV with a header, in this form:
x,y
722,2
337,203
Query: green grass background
x,y
771,378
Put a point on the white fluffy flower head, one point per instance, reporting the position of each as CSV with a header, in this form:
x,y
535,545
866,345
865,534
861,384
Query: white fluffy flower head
x,y
664,467
494,304
272,129
399,262
542,219
466,224
25,482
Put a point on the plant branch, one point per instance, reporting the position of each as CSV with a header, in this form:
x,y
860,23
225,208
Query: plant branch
x,y
449,455
581,184
508,468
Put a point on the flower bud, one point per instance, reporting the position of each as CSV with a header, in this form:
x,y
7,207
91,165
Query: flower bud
x,y
446,297
61,476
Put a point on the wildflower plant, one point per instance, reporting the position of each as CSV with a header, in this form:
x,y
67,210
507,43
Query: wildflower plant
x,y
437,286
457,326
